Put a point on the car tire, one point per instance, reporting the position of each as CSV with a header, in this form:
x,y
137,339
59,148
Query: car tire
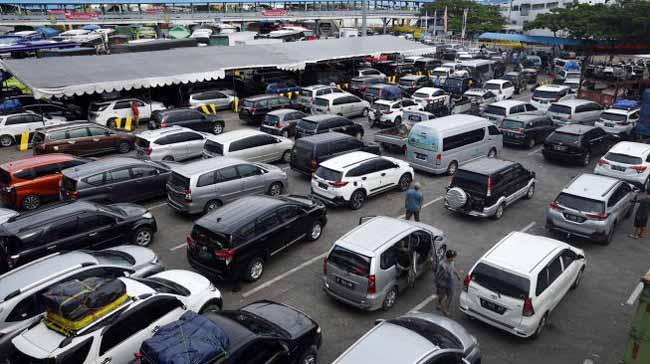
x,y
586,159
646,185
540,326
254,269
530,193
211,206
217,129
576,283
389,299
210,306
315,232
6,140
310,356
498,214
397,121
357,199
452,168
286,156
275,189
124,147
492,153
610,235
142,236
168,158
359,135
531,143
111,124
404,182
31,202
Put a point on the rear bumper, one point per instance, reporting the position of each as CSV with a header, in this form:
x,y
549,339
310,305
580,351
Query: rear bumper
x,y
637,180
208,270
271,130
426,167
368,305
190,208
591,230
486,212
570,157
336,201
518,331
515,141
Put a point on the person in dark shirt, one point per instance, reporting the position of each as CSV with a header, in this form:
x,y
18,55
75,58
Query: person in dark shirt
x,y
641,217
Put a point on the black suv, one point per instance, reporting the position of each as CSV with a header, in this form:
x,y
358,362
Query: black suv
x,y
485,187
323,123
252,110
576,143
527,128
236,240
261,332
410,83
309,152
189,118
71,226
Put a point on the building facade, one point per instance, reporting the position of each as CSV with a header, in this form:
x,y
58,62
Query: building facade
x,y
519,12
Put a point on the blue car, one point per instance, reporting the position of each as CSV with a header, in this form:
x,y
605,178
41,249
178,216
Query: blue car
x,y
282,87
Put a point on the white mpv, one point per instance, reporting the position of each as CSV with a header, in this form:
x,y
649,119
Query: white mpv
x,y
516,285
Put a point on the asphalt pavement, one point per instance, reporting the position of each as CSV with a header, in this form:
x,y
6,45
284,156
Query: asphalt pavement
x,y
590,324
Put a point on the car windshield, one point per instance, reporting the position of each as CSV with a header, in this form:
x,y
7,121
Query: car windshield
x,y
321,102
349,261
248,103
511,124
420,95
406,82
493,86
307,124
162,285
581,204
539,94
500,281
560,109
470,180
495,110
38,138
213,147
5,177
437,335
99,107
306,93
613,117
623,158
565,138
328,174
113,257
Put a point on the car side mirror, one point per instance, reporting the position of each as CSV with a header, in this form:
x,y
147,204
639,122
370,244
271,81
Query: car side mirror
x,y
285,349
379,321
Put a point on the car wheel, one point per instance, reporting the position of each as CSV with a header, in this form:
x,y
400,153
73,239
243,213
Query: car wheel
x,y
405,182
492,153
31,202
254,269
168,158
275,189
576,283
111,124
531,192
498,214
646,185
211,206
359,135
540,326
531,143
142,236
452,168
210,307
365,112
587,159
610,235
398,121
124,147
315,232
310,356
389,299
217,129
286,156
6,141
357,199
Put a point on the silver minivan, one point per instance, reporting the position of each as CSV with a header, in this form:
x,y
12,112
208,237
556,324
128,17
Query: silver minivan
x,y
345,104
370,265
251,145
576,111
440,145
174,143
204,185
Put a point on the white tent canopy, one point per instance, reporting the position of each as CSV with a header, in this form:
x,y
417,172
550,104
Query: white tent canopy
x,y
78,75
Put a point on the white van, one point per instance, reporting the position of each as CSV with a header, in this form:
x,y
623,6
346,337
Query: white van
x,y
440,145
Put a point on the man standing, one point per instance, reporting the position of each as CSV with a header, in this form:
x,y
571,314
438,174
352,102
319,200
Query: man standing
x,y
445,281
136,113
641,216
413,202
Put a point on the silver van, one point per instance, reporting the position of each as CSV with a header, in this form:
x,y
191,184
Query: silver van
x,y
576,111
205,185
345,104
174,143
440,145
369,266
251,145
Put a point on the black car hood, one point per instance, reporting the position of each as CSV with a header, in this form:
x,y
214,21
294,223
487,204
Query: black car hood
x,y
289,319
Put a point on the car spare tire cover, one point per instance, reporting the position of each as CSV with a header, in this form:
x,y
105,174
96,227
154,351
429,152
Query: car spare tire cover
x,y
456,198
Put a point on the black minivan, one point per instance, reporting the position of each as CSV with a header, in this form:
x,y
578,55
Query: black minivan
x,y
253,110
575,143
309,152
527,128
323,123
236,240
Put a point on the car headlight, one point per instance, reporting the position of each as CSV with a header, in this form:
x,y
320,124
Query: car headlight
x,y
156,260
318,330
147,215
212,288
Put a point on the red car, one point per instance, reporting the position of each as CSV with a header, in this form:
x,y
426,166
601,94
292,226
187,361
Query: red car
x,y
27,183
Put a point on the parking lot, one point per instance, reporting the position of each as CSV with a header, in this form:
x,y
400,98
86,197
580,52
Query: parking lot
x,y
591,323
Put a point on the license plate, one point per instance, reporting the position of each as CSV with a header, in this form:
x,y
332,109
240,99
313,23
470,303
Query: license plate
x,y
204,253
344,282
322,185
574,218
609,125
618,168
493,306
560,147
139,152
421,156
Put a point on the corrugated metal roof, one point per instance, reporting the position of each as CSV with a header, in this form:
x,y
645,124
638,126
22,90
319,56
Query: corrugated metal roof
x,y
551,41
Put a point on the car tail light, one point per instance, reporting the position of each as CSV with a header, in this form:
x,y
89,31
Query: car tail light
x,y
438,157
138,358
624,123
191,243
489,187
597,217
528,309
372,286
639,169
325,266
386,112
429,101
188,195
12,260
518,130
603,162
555,206
328,109
225,254
466,282
163,124
338,184
314,164
278,125
73,195
148,151
253,110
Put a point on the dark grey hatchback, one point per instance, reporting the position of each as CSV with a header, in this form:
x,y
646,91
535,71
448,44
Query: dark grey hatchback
x,y
119,179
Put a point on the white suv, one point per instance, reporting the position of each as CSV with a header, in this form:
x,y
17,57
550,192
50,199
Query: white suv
x,y
628,161
389,112
504,89
351,178
13,125
114,338
545,95
516,285
619,121
106,113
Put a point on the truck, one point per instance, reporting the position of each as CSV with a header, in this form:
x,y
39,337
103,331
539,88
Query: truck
x,y
394,139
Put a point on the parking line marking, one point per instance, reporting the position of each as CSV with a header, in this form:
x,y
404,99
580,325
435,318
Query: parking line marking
x,y
635,294
535,151
425,205
283,275
424,303
588,361
156,206
177,247
528,227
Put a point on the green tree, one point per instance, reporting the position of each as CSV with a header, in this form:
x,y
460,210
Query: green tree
x,y
553,21
480,18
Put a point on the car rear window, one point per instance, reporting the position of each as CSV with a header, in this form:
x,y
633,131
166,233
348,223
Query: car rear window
x,y
356,83
421,95
613,117
99,107
272,120
328,174
511,124
248,103
5,177
501,282
303,149
142,143
623,158
560,109
581,204
179,181
545,94
307,124
305,92
406,82
493,86
68,183
566,138
470,180
380,107
213,147
495,110
321,102
373,91
211,238
349,261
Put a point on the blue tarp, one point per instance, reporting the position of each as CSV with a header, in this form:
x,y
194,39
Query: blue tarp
x,y
48,32
551,41
643,125
624,104
10,105
193,339
90,27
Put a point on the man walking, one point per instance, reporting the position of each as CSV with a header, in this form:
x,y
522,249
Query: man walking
x,y
445,281
413,202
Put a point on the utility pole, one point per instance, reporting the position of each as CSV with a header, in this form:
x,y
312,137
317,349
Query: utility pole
x,y
364,18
